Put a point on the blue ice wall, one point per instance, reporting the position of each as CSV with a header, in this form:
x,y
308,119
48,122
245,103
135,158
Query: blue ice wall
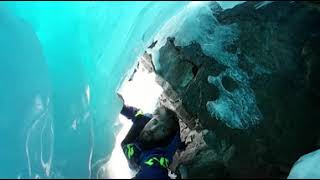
x,y
61,64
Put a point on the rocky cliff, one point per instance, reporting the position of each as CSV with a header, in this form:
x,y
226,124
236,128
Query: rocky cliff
x,y
249,106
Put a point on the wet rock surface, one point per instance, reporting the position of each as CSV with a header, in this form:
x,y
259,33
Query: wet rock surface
x,y
279,54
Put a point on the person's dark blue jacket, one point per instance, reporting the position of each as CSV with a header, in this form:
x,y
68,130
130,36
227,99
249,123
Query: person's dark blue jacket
x,y
150,163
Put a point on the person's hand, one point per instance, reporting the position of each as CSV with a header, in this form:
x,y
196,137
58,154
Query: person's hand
x,y
121,98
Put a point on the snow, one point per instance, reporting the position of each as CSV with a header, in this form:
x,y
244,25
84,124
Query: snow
x,y
307,167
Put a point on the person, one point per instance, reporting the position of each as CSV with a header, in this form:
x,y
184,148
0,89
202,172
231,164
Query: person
x,y
151,142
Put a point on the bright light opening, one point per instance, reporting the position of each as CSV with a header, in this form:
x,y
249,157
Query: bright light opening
x,y
141,92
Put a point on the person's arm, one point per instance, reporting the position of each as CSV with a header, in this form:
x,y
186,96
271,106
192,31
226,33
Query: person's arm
x,y
132,153
129,112
135,113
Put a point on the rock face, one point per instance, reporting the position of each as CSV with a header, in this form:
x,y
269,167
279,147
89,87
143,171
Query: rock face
x,y
256,117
